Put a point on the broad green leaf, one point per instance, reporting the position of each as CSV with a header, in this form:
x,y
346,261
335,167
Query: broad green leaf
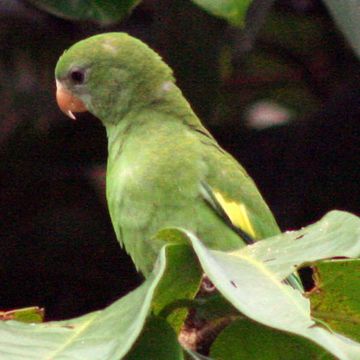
x,y
244,339
336,298
234,11
254,289
102,11
336,234
158,341
347,16
215,307
182,280
102,335
106,334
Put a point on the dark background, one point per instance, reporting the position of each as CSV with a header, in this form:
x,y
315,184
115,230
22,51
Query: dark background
x,y
58,249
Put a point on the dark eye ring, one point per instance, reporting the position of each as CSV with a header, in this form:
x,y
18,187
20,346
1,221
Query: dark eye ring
x,y
77,76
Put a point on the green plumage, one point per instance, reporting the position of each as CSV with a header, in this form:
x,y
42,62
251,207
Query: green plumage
x,y
164,168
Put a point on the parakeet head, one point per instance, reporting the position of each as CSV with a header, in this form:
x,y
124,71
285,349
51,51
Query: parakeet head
x,y
110,75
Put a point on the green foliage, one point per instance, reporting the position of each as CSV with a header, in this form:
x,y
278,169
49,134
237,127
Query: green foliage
x,y
106,334
32,314
234,11
336,234
102,11
110,11
271,302
156,342
261,343
185,273
335,298
249,278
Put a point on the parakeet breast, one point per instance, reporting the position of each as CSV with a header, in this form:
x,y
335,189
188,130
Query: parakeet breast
x,y
153,175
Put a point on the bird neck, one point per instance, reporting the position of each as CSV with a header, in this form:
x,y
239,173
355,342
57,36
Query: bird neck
x,y
168,107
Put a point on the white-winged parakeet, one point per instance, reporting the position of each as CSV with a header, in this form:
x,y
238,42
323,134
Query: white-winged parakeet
x,y
164,168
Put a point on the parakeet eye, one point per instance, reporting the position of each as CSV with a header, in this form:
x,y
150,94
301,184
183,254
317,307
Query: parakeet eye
x,y
77,76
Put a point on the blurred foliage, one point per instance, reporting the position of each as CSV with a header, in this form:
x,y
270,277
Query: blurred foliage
x,y
60,249
234,11
104,12
347,16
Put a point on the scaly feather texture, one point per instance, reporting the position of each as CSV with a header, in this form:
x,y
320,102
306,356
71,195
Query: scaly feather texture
x,y
164,168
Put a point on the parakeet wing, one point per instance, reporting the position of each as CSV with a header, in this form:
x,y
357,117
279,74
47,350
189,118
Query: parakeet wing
x,y
233,194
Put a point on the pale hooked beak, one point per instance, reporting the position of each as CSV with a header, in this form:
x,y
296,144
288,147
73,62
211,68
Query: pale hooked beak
x,y
68,103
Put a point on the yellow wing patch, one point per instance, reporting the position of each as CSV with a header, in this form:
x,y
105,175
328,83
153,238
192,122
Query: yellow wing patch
x,y
236,212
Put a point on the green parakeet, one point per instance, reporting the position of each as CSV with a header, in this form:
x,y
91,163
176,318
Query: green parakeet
x,y
164,168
